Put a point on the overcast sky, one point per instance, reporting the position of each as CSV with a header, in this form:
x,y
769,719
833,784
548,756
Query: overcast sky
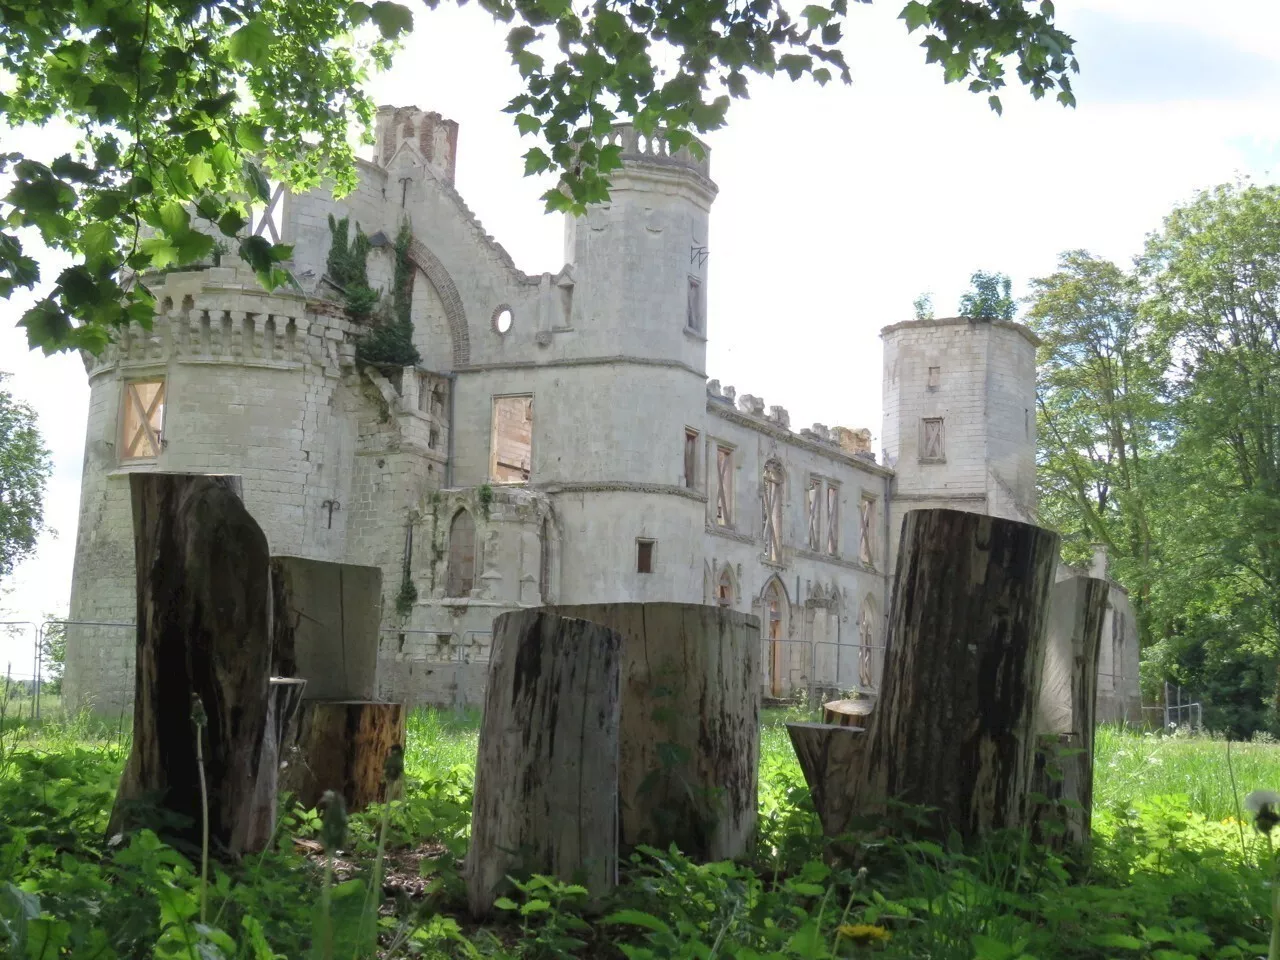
x,y
837,205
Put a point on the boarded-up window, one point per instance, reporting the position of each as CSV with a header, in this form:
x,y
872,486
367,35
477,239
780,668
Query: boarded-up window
x,y
644,556
813,511
771,511
932,439
935,377
512,441
724,487
867,531
461,574
833,520
866,641
142,435
691,459
694,312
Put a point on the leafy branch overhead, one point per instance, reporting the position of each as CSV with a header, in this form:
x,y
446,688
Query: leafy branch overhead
x,y
187,109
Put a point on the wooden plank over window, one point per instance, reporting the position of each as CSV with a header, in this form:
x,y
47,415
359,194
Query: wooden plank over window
x,y
512,439
813,511
724,487
867,530
932,440
833,520
143,433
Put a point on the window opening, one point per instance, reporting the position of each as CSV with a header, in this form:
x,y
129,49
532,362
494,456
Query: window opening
x,y
644,556
693,318
461,573
866,531
143,435
833,520
724,487
502,319
724,589
772,626
512,441
866,637
931,439
771,511
813,510
935,377
691,459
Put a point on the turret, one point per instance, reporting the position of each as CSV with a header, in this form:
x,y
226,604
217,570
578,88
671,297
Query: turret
x,y
959,417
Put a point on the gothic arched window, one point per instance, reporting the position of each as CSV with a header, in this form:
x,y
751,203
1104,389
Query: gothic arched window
x,y
461,573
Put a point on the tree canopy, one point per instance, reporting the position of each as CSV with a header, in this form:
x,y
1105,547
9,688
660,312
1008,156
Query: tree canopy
x,y
24,470
186,108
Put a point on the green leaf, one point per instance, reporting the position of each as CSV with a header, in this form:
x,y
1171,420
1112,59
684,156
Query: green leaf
x,y
535,906
527,124
816,15
638,918
1116,941
174,218
161,251
97,241
989,948
199,170
392,19
256,181
358,13
252,42
231,222
535,161
994,103
916,15
506,903
251,136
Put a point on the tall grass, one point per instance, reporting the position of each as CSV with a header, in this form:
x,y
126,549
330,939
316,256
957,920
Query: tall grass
x,y
440,740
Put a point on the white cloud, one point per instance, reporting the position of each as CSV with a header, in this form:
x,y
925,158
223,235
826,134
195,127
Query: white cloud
x,y
837,207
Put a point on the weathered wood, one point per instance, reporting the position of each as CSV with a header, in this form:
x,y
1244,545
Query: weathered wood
x,y
203,628
283,697
1068,708
830,756
847,713
340,745
954,727
546,790
690,736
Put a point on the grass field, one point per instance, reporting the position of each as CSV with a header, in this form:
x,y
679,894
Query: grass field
x,y
1173,876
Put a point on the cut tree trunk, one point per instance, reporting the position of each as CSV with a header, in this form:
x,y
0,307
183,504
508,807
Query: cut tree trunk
x,y
690,736
830,756
341,745
546,789
283,697
204,611
1068,710
954,726
847,713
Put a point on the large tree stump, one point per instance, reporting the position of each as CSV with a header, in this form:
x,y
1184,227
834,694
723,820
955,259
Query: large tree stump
x,y
954,726
690,735
341,745
830,756
1068,707
546,791
283,697
203,628
848,713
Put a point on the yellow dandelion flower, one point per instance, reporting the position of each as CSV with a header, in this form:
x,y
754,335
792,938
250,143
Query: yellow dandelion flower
x,y
865,933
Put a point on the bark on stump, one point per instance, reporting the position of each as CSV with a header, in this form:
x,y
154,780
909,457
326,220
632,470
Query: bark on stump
x,y
204,605
341,745
830,757
1068,710
546,790
954,726
690,735
283,697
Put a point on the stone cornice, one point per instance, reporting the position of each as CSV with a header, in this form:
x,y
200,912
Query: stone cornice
x,y
621,486
718,531
726,411
1022,330
578,362
838,562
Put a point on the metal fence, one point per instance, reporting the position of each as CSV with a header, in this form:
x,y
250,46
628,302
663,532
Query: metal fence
x,y
819,669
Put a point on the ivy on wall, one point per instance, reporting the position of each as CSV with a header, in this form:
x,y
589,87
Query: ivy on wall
x,y
389,342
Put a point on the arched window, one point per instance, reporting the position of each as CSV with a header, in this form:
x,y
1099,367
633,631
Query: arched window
x,y
773,604
725,594
771,510
866,648
461,574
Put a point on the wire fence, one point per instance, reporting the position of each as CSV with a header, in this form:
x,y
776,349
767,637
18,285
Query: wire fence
x,y
819,669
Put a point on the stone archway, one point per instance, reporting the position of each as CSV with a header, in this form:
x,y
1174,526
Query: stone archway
x,y
435,271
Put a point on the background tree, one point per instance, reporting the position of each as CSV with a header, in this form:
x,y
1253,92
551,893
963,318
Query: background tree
x,y
24,469
1099,414
988,297
186,107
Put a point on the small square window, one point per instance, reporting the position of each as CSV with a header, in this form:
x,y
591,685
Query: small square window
x,y
644,556
690,459
935,377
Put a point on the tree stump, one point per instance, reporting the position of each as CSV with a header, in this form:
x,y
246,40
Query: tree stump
x,y
847,713
341,745
690,734
283,697
954,727
830,756
203,628
1068,709
546,790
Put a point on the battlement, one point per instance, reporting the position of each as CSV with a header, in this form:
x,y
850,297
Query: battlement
x,y
655,148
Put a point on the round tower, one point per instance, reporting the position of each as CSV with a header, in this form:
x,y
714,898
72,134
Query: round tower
x,y
959,417
634,514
